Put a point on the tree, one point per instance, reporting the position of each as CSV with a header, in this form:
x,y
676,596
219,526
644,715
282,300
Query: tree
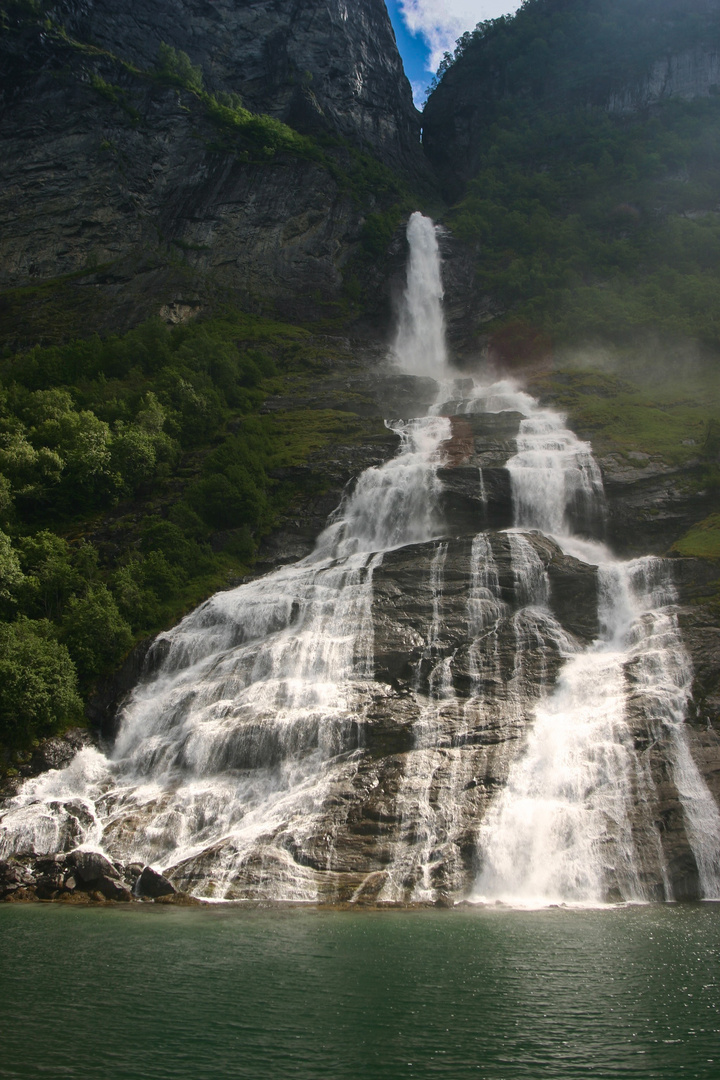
x,y
176,66
11,575
95,632
38,684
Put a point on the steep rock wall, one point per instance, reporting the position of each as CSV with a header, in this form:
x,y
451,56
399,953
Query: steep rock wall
x,y
326,65
560,55
132,191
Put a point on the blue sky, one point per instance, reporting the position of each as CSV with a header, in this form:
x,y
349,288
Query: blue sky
x,y
425,29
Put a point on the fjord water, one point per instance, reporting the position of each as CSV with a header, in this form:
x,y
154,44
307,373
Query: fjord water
x,y
480,994
238,750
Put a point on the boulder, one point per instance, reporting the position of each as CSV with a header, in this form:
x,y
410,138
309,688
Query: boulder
x,y
151,885
92,866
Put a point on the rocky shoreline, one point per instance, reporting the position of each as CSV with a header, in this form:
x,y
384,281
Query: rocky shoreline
x,y
84,877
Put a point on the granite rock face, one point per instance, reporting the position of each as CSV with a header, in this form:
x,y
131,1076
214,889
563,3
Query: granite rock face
x,y
651,503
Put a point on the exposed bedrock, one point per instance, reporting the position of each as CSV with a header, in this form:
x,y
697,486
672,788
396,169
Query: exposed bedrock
x,y
438,726
153,211
471,631
650,503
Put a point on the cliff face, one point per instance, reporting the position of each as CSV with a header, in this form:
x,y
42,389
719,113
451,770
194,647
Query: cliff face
x,y
151,196
686,75
321,66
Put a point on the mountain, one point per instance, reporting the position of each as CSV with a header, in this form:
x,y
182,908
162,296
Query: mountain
x,y
579,146
204,253
557,56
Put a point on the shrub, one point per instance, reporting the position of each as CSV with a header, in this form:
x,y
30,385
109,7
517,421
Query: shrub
x,y
177,67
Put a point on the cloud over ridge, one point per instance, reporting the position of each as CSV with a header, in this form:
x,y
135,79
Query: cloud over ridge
x,y
442,22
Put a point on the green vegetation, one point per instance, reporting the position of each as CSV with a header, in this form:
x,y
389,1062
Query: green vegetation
x,y
598,228
591,225
703,540
38,684
555,51
668,414
258,133
137,475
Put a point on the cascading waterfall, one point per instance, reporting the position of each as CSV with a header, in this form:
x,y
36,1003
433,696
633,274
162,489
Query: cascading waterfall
x,y
556,483
224,759
239,737
235,762
561,830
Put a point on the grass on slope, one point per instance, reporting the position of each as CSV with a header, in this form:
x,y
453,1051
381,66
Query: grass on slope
x,y
702,541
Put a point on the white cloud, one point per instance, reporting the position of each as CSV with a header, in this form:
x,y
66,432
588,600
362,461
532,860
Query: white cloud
x,y
419,93
442,22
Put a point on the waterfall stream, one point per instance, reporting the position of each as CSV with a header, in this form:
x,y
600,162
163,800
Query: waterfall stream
x,y
242,758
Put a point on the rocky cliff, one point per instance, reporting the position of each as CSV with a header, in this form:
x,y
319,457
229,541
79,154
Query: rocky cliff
x,y
470,631
127,191
691,74
329,67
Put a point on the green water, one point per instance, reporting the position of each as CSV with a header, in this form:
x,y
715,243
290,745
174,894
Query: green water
x,y
150,993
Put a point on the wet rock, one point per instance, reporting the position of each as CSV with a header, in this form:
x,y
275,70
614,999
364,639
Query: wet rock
x,y
54,753
14,875
684,876
103,708
40,828
178,899
470,504
408,596
113,889
58,752
152,886
574,595
650,507
92,866
49,875
21,896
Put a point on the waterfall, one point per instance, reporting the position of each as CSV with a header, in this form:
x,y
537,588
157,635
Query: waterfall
x,y
225,757
520,766
556,483
420,343
250,719
561,830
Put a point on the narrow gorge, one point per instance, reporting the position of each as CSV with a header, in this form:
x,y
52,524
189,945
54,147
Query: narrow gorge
x,y
461,694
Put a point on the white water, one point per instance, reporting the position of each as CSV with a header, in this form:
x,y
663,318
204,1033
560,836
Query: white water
x,y
562,829
554,476
227,760
420,343
239,735
229,753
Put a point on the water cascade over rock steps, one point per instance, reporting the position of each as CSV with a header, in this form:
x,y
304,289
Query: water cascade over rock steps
x,y
456,695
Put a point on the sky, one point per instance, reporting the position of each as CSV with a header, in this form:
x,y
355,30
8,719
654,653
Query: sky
x,y
425,29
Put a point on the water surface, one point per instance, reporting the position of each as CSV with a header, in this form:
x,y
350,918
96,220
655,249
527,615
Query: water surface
x,y
151,993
